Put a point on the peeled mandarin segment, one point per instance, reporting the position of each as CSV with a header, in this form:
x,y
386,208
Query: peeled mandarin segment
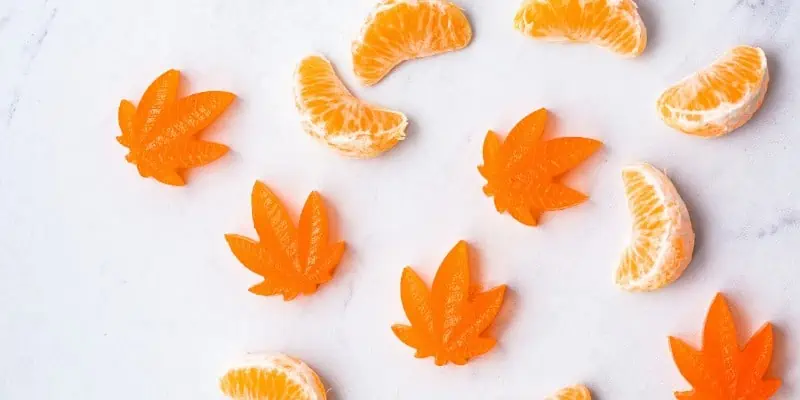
x,y
331,114
613,24
720,98
662,239
272,377
522,172
401,30
721,370
161,133
449,321
291,260
577,392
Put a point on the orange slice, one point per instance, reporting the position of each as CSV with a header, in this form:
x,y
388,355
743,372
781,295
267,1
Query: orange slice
x,y
272,377
330,113
400,30
662,241
722,370
613,24
719,98
577,392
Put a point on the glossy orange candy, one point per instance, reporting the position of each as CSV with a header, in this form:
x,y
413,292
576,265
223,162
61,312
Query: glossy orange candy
x,y
291,260
522,172
449,320
161,132
721,370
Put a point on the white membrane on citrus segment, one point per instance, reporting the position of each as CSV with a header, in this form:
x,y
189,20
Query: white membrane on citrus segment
x,y
353,143
727,116
294,369
676,230
388,5
593,37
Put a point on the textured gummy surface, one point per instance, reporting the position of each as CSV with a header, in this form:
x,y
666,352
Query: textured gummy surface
x,y
292,260
720,370
161,132
522,172
449,320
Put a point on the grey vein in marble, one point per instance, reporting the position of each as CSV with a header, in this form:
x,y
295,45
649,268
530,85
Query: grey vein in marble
x,y
778,14
775,12
4,21
791,220
350,293
32,49
43,34
753,4
12,107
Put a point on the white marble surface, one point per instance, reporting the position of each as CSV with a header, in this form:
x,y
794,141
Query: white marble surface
x,y
113,286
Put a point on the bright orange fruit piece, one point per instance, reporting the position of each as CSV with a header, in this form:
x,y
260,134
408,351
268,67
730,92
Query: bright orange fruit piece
x,y
161,133
577,392
720,98
722,371
522,171
272,377
400,30
449,320
662,237
331,114
612,24
291,260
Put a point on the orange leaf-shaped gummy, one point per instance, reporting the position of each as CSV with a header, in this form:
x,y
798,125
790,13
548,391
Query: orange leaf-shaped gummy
x,y
161,132
721,371
522,171
291,260
449,320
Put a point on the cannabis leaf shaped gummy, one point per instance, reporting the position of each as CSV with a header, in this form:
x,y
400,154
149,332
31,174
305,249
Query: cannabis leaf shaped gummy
x,y
448,321
161,132
522,171
722,371
291,260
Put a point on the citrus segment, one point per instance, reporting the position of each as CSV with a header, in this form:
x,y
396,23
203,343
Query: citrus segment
x,y
662,239
330,113
577,392
613,24
400,30
721,97
272,377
